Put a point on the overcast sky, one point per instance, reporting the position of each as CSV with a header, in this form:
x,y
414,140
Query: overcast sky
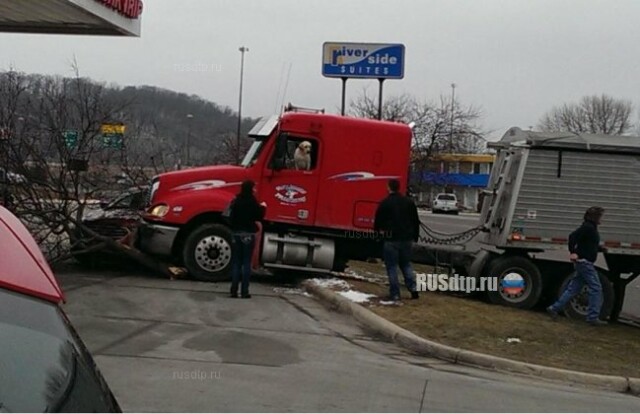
x,y
515,59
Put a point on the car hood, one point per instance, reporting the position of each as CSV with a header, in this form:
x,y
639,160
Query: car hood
x,y
110,214
24,268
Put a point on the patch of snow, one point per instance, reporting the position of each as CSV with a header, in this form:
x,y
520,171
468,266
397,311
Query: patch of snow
x,y
513,340
364,276
290,291
388,303
357,297
330,283
356,276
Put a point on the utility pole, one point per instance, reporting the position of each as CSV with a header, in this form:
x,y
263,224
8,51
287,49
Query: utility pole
x,y
187,158
453,100
242,50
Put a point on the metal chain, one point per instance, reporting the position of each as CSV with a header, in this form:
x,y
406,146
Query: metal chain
x,y
439,238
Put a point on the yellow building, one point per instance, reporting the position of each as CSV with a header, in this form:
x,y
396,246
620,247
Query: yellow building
x,y
464,175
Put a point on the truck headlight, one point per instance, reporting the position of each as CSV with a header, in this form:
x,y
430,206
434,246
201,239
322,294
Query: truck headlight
x,y
160,210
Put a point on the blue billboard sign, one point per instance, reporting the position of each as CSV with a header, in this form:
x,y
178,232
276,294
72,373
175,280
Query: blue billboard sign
x,y
363,60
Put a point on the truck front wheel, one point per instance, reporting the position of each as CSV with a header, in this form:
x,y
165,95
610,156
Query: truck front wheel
x,y
578,306
519,282
207,253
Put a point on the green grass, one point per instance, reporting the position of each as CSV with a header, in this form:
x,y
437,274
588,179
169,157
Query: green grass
x,y
482,327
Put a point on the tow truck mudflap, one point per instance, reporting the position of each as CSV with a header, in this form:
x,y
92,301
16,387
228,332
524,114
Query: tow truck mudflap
x,y
479,262
257,249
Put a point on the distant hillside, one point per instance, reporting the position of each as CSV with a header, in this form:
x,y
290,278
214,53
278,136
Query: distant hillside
x,y
159,122
169,118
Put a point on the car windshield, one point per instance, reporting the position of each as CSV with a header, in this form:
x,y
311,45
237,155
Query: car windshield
x,y
253,153
133,201
446,197
40,368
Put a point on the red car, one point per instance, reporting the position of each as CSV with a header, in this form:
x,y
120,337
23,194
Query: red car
x,y
44,365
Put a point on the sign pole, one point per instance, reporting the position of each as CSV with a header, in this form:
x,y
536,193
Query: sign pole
x,y
344,93
381,80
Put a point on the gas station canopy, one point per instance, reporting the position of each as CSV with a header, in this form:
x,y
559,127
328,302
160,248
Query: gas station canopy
x,y
85,17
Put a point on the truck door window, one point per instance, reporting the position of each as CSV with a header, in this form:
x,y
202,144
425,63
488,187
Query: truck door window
x,y
301,154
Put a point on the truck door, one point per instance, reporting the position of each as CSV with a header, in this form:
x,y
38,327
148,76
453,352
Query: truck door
x,y
291,180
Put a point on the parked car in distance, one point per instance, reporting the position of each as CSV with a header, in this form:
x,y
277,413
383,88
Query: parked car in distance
x,y
445,203
45,366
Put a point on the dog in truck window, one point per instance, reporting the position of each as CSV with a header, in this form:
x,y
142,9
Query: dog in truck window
x,y
302,156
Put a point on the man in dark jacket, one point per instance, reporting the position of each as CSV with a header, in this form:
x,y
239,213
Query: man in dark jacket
x,y
244,212
584,245
398,222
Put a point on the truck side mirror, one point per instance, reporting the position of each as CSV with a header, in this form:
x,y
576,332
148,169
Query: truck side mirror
x,y
280,152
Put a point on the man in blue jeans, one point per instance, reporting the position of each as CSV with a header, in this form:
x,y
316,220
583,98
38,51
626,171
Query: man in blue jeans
x,y
584,245
398,222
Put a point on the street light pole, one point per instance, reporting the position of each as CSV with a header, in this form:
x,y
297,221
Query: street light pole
x,y
242,50
189,121
453,100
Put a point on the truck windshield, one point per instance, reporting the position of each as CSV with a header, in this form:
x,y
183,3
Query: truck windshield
x,y
253,153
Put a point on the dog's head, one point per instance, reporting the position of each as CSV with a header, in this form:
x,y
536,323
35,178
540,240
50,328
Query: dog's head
x,y
305,147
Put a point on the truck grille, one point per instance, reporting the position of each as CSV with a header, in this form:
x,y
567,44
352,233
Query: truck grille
x,y
109,229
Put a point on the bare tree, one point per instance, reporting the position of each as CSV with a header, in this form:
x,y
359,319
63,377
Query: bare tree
x,y
225,151
55,126
593,114
396,108
55,145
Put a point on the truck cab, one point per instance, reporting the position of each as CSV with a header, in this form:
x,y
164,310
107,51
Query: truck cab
x,y
317,217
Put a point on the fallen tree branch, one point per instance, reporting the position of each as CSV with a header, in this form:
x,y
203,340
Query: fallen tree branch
x,y
125,246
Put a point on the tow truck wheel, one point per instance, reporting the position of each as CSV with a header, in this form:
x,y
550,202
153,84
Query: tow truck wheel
x,y
207,253
578,306
519,282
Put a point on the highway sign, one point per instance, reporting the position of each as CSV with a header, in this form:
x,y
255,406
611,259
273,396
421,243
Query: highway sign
x,y
70,138
113,135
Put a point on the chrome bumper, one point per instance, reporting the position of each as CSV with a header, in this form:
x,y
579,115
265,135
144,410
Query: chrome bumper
x,y
157,239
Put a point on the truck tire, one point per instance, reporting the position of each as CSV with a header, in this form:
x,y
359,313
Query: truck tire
x,y
520,271
577,307
207,253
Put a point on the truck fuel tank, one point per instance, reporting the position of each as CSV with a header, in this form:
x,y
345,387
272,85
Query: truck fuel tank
x,y
296,251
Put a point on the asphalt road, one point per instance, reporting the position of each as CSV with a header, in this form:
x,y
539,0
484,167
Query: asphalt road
x,y
168,346
457,224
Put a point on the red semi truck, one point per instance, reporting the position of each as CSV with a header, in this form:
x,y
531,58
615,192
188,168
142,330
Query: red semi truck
x,y
316,219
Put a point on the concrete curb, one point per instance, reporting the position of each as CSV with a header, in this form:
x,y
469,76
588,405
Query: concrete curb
x,y
429,348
